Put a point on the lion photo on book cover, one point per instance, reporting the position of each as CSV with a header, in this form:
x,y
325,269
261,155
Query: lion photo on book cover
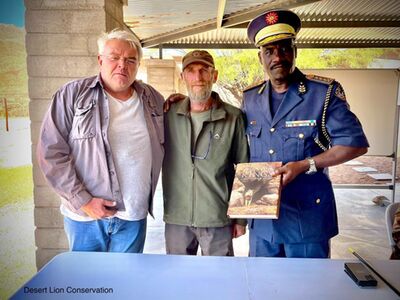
x,y
255,192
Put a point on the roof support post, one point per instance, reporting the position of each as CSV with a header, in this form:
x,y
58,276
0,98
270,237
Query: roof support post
x,y
160,51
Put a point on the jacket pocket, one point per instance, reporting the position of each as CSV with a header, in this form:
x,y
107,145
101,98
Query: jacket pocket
x,y
83,124
294,141
317,215
253,133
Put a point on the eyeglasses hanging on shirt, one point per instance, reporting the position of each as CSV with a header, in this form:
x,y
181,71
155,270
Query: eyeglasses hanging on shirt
x,y
205,154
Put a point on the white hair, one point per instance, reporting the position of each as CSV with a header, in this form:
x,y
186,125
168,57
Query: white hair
x,y
123,35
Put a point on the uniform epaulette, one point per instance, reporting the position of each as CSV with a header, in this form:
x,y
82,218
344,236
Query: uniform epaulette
x,y
320,79
260,85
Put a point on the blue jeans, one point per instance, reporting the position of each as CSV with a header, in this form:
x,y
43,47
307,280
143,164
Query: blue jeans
x,y
106,235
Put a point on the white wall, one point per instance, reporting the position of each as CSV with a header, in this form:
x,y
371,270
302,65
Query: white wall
x,y
372,95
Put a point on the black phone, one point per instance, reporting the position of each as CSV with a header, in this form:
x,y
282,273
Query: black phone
x,y
360,274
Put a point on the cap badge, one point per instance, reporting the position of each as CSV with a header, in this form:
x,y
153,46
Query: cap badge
x,y
271,18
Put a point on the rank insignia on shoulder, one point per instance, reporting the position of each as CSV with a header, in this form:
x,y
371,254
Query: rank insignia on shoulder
x,y
339,92
320,79
261,85
261,89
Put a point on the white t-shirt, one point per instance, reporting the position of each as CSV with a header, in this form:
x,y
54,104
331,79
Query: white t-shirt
x,y
131,151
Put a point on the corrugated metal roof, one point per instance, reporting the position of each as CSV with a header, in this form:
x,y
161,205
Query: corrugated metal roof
x,y
234,36
307,38
326,23
351,8
349,34
233,6
155,17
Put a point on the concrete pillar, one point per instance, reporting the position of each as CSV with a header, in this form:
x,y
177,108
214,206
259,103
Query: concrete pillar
x,y
61,46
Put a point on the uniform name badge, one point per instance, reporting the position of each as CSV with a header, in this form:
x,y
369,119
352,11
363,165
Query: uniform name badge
x,y
301,123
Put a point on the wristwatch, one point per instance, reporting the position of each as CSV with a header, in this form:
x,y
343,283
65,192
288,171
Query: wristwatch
x,y
312,169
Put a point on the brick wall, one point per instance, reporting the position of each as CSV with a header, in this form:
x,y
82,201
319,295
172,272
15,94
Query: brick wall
x,y
61,46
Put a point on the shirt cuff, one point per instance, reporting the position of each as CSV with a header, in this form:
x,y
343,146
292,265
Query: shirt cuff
x,y
80,199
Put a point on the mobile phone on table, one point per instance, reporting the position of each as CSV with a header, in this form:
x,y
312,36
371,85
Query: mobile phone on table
x,y
360,274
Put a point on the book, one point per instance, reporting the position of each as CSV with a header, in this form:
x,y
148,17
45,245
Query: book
x,y
255,192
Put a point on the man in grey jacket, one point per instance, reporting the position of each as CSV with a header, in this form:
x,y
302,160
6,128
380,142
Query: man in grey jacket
x,y
101,149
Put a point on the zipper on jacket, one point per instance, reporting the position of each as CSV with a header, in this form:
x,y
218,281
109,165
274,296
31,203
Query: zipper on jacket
x,y
193,192
193,168
204,125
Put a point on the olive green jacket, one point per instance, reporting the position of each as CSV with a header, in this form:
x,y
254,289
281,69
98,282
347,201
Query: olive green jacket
x,y
197,190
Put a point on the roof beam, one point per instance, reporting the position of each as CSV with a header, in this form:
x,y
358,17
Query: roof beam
x,y
207,46
220,12
309,44
230,20
348,44
350,23
342,23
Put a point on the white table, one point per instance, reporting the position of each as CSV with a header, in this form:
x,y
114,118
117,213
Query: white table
x,y
146,276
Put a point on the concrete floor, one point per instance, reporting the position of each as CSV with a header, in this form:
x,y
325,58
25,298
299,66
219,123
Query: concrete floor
x,y
361,226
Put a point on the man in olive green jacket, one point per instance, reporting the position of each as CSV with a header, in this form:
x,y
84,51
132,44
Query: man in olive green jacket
x,y
205,138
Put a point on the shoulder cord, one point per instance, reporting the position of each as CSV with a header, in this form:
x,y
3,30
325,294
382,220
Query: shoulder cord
x,y
323,122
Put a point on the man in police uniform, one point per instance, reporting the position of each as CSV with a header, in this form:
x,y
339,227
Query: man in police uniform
x,y
305,122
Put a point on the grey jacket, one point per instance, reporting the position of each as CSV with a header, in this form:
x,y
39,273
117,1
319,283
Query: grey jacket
x,y
73,148
197,191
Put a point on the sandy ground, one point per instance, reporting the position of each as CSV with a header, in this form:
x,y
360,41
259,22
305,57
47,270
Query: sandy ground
x,y
15,144
17,253
17,250
345,173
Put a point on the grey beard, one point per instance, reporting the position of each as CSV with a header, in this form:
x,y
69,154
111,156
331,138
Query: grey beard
x,y
200,96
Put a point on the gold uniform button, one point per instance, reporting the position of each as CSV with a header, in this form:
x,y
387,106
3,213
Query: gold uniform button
x,y
301,135
271,151
318,201
272,129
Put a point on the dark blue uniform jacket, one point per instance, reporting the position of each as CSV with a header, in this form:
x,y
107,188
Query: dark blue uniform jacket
x,y
308,211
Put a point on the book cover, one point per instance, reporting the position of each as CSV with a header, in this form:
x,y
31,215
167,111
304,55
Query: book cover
x,y
255,193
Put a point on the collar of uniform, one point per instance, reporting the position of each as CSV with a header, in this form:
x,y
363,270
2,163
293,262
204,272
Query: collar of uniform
x,y
290,100
218,111
298,75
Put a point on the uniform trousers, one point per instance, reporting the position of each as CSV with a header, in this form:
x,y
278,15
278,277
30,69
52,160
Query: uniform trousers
x,y
185,240
260,247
